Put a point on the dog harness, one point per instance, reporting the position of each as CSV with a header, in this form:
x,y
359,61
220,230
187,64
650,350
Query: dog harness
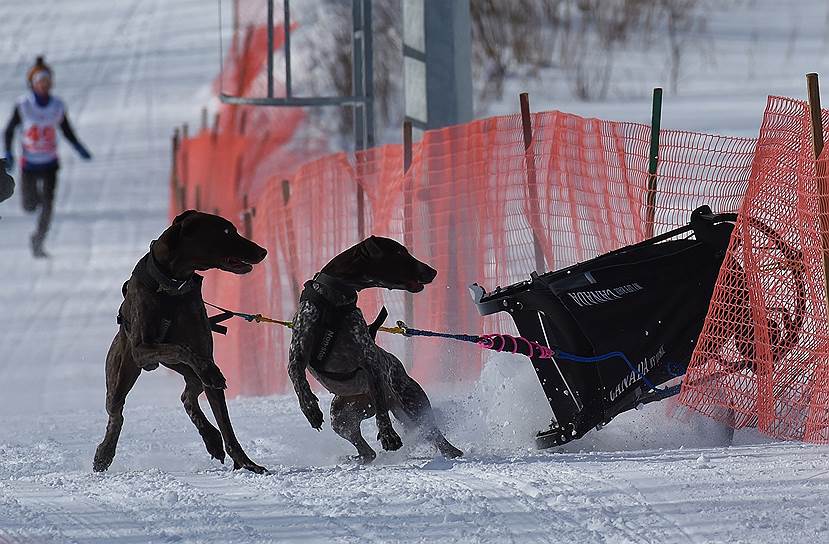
x,y
170,290
332,316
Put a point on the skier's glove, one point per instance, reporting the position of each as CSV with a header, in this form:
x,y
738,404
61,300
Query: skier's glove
x,y
82,151
6,183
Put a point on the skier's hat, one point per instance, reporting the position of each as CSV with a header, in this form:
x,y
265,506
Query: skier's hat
x,y
38,71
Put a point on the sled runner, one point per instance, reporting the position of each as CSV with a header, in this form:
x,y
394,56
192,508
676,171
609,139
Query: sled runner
x,y
626,322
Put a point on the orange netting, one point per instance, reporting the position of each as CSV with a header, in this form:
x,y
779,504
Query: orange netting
x,y
761,359
466,206
478,207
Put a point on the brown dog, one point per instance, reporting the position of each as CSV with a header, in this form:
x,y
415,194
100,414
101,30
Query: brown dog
x,y
163,320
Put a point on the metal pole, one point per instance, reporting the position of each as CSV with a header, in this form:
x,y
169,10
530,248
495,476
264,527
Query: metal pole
x,y
357,75
532,182
270,48
820,171
357,83
286,29
653,161
368,74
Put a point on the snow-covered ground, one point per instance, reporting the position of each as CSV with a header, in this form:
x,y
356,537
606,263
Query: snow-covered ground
x,y
131,70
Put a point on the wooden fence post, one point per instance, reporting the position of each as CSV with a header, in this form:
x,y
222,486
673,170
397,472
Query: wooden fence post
x,y
247,217
653,162
408,234
243,121
174,188
361,201
820,171
291,253
532,183
215,130
185,174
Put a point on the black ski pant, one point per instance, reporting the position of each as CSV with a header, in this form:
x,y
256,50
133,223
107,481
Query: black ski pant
x,y
39,190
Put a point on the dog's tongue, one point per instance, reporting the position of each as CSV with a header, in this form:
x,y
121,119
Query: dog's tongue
x,y
233,262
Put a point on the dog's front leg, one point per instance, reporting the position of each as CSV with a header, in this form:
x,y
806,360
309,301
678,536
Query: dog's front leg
x,y
386,434
146,343
308,402
145,354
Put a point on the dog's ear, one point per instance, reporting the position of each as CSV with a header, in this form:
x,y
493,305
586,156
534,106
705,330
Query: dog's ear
x,y
372,248
170,237
184,215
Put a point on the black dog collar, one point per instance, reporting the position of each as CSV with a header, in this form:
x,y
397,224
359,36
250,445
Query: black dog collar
x,y
148,272
346,295
160,281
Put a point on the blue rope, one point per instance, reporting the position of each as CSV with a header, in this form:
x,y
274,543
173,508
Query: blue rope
x,y
408,331
579,359
247,317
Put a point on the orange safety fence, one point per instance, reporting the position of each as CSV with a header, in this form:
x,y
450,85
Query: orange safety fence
x,y
479,207
761,359
465,207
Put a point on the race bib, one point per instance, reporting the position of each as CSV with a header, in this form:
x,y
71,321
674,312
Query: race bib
x,y
40,125
40,139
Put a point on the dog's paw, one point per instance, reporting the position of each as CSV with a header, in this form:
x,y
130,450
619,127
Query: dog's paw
x,y
214,444
449,451
247,464
212,377
390,440
313,414
100,465
102,460
363,458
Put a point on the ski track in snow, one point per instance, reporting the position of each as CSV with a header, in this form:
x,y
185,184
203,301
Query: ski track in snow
x,y
132,70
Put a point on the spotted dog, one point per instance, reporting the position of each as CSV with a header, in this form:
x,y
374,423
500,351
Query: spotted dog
x,y
332,341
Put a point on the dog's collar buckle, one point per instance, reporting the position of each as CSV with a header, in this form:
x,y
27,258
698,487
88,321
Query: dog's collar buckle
x,y
348,293
166,284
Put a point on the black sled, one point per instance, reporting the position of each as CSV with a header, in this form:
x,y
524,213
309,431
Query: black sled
x,y
622,324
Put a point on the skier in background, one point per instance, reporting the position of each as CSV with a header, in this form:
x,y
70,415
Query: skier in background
x,y
6,182
40,114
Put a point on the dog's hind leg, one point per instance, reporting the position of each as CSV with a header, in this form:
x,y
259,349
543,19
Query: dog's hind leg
x,y
346,415
386,434
218,404
412,406
190,399
121,375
